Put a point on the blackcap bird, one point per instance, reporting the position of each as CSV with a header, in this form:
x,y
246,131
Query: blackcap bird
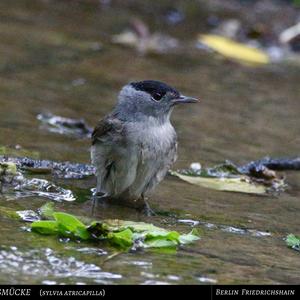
x,y
134,146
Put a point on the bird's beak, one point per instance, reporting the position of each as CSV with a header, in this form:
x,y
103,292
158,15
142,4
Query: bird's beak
x,y
184,99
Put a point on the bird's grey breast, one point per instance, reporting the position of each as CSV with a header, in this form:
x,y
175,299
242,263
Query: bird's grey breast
x,y
156,145
153,138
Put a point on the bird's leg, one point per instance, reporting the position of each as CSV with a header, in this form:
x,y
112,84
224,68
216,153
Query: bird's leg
x,y
96,198
148,211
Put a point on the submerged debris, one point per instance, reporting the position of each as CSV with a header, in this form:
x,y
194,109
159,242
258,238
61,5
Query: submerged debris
x,y
291,37
65,170
271,163
225,228
9,175
253,178
28,215
68,126
141,39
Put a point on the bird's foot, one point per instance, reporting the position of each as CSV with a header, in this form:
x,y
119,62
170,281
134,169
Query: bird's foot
x,y
147,210
96,198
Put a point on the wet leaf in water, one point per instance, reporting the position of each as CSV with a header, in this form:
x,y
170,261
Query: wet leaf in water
x,y
70,225
160,243
45,227
293,241
169,235
47,210
190,237
234,50
239,184
115,224
124,238
231,178
122,234
160,239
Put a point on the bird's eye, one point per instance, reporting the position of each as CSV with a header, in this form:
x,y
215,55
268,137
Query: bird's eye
x,y
157,96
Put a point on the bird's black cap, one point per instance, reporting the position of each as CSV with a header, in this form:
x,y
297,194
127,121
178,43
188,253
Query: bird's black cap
x,y
154,88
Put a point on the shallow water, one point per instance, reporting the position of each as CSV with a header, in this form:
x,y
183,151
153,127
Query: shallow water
x,y
49,63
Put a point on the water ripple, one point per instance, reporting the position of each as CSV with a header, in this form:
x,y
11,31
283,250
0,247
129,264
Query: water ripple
x,y
50,267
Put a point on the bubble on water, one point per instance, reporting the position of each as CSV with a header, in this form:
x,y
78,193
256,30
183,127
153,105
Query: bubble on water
x,y
49,282
259,233
206,279
155,282
233,229
226,228
195,166
173,277
188,222
78,81
139,263
89,250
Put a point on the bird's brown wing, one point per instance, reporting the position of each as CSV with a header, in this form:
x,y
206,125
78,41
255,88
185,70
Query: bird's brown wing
x,y
114,162
108,128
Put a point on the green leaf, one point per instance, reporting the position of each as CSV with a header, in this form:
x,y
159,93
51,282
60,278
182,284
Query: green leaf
x,y
47,210
122,234
161,239
163,234
293,241
190,237
134,226
45,227
160,243
69,225
123,239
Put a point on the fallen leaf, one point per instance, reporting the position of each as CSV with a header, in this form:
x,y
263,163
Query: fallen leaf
x,y
123,239
234,50
122,234
45,227
68,224
237,184
293,242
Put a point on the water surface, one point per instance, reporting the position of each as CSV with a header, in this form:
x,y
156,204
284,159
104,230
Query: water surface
x,y
49,63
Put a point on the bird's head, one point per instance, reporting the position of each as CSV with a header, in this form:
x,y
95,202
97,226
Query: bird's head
x,y
149,98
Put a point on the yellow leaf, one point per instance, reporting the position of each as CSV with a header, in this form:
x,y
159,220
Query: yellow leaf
x,y
234,50
239,184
